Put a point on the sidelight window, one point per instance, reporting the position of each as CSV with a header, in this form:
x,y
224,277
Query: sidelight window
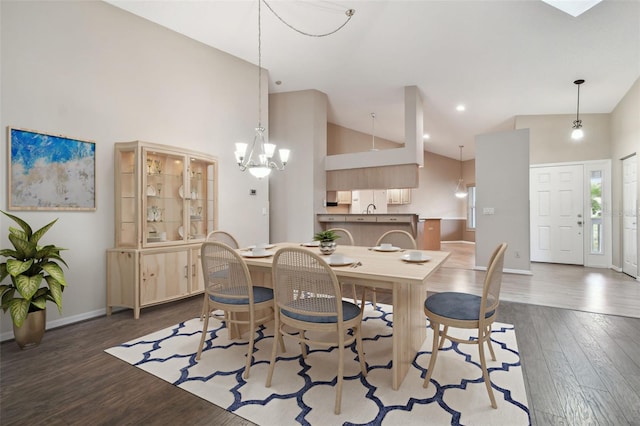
x,y
596,229
471,207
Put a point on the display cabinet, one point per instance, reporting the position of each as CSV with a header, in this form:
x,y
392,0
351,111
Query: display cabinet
x,y
165,205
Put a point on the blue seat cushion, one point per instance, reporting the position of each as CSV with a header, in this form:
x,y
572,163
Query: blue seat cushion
x,y
260,294
349,311
460,306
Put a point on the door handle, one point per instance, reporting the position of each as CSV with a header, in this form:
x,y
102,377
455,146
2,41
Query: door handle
x,y
580,222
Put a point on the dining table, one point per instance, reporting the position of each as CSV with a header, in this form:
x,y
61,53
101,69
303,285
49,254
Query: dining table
x,y
405,275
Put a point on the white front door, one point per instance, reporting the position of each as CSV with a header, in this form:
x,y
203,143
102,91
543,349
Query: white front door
x,y
630,216
557,214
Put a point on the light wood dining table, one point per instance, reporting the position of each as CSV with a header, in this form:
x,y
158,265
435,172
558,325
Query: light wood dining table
x,y
407,282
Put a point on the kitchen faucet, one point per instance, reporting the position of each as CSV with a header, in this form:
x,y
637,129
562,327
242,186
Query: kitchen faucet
x,y
371,205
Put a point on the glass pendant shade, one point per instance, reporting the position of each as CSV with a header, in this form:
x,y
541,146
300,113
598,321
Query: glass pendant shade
x,y
461,189
577,132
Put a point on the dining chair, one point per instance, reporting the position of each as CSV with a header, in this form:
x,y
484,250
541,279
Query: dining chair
x,y
229,288
397,238
221,237
308,299
468,311
346,239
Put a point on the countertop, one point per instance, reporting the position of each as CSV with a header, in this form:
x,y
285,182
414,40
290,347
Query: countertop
x,y
371,214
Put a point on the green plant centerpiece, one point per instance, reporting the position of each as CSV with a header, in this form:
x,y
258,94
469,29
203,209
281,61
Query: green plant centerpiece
x,y
29,265
327,241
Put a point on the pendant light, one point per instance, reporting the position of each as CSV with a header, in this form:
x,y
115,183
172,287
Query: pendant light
x,y
577,132
461,189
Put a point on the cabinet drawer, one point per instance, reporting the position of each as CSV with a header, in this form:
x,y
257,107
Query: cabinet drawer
x,y
361,218
395,219
330,218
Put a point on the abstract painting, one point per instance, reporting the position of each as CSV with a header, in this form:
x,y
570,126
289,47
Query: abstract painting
x,y
50,172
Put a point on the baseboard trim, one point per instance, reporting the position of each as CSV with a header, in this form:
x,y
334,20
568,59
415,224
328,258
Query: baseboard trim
x,y
506,270
458,242
8,335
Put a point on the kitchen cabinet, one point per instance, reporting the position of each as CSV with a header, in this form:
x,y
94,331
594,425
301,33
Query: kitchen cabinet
x,y
399,196
344,197
430,233
165,205
367,228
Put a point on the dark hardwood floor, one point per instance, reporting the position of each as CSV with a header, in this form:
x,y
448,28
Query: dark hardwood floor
x,y
579,368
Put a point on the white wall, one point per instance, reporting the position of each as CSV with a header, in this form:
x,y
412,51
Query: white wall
x,y
625,137
299,122
435,195
550,138
92,71
502,184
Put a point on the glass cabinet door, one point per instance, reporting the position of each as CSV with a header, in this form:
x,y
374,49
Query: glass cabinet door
x,y
198,198
126,201
164,199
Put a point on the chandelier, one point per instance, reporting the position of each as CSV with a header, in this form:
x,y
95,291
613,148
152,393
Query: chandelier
x,y
259,160
461,190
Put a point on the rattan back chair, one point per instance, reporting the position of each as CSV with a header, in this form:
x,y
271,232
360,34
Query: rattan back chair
x,y
345,237
308,298
223,237
229,288
397,238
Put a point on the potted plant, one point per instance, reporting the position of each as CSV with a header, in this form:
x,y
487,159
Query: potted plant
x,y
28,266
327,241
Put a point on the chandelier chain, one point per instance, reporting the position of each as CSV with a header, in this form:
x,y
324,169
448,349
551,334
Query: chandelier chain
x,y
259,67
349,13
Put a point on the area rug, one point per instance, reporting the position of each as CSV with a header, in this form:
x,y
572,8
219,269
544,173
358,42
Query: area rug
x,y
303,392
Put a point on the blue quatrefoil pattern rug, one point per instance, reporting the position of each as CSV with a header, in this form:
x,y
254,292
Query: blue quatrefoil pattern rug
x,y
303,392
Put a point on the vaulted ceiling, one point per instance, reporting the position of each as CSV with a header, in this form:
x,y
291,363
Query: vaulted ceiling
x,y
498,58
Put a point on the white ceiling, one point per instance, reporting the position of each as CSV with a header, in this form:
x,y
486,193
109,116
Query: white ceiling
x,y
499,58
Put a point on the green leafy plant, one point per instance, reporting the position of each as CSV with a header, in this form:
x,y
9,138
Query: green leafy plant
x,y
325,236
27,264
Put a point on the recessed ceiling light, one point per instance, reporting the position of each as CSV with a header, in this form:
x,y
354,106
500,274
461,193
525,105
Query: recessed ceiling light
x,y
426,136
460,108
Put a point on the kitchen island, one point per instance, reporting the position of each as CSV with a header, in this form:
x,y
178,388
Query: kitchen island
x,y
367,228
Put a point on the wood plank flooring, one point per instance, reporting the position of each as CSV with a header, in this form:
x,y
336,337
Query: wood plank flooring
x,y
579,367
562,286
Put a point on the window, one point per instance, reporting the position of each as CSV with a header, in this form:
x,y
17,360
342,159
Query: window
x,y
595,240
471,207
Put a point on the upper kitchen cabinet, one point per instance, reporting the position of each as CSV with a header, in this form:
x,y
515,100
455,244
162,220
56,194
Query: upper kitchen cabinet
x,y
344,197
399,196
340,197
164,196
